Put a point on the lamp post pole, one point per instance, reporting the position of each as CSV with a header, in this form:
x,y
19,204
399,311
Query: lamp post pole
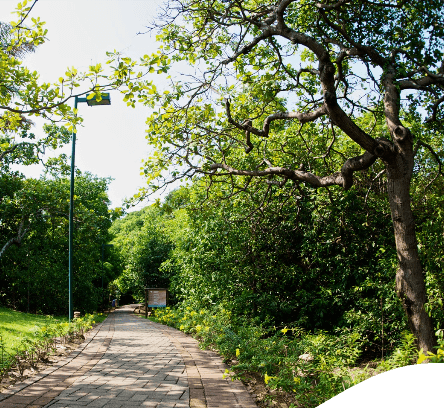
x,y
105,100
71,216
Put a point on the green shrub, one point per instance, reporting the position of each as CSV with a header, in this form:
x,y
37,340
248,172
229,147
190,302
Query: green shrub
x,y
308,365
403,355
439,356
29,349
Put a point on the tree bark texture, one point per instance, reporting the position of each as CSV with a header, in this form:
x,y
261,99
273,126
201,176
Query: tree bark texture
x,y
410,283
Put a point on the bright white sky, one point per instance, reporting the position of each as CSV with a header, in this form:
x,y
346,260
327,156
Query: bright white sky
x,y
111,142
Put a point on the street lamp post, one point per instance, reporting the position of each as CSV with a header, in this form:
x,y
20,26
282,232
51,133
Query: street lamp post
x,y
106,100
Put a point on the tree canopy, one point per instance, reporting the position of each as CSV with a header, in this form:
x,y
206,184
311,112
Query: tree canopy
x,y
294,92
23,96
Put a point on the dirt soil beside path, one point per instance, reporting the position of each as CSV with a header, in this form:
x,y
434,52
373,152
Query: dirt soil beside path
x,y
265,397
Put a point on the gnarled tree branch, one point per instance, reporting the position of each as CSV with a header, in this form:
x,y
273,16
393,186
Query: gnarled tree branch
x,y
303,117
8,151
344,178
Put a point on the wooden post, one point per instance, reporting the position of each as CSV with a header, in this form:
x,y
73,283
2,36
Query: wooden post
x,y
146,303
382,327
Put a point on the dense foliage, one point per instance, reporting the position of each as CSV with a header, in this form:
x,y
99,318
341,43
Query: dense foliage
x,y
298,92
281,264
34,269
307,368
143,247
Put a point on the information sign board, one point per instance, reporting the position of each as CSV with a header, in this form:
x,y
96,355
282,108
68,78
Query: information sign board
x,y
155,297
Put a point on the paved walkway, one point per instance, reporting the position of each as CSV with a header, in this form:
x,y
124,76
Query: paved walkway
x,y
131,362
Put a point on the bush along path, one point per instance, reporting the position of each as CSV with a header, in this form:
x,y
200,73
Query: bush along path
x,y
288,367
42,342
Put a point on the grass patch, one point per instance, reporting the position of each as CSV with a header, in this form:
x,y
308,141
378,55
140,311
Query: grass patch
x,y
26,339
17,326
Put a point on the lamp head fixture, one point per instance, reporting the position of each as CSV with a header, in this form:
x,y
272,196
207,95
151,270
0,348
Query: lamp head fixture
x,y
106,100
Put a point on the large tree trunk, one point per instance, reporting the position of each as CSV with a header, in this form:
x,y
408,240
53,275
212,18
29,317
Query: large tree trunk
x,y
410,283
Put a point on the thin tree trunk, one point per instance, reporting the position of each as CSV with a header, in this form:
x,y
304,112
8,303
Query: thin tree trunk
x,y
410,283
15,240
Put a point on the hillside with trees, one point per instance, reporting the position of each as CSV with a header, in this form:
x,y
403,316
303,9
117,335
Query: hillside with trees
x,y
311,138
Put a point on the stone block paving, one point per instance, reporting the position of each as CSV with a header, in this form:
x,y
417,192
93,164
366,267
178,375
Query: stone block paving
x,y
132,362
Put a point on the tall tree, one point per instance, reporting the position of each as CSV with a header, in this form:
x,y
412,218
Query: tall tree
x,y
279,91
33,272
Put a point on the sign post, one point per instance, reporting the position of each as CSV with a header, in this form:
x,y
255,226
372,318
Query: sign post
x,y
146,303
155,297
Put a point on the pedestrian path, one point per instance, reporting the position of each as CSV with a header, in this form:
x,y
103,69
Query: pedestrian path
x,y
131,362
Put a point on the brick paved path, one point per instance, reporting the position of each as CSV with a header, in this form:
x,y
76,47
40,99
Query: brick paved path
x,y
130,362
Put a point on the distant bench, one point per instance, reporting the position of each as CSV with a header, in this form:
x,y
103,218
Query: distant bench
x,y
140,309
